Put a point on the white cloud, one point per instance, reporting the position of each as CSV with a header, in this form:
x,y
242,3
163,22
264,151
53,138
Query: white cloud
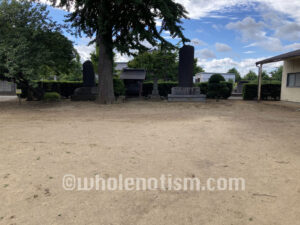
x,y
254,31
216,27
223,65
85,51
122,58
205,54
249,52
293,46
288,31
202,8
220,47
249,28
197,42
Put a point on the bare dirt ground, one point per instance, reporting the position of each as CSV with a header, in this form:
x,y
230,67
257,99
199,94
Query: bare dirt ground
x,y
40,143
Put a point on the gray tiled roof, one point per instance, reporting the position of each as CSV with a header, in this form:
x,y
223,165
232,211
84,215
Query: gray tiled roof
x,y
133,74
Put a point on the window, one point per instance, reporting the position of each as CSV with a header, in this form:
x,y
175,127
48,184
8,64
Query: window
x,y
293,80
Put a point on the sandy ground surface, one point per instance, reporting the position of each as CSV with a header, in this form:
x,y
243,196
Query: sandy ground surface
x,y
40,143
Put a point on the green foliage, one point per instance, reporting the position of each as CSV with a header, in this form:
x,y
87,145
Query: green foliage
x,y
225,93
218,88
158,63
162,64
237,74
203,87
216,78
277,74
51,96
31,44
264,76
268,91
126,25
197,69
66,88
164,88
119,87
250,76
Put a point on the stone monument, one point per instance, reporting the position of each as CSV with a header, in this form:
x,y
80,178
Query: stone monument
x,y
185,91
89,91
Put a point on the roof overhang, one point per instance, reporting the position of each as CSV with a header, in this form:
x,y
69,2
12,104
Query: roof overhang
x,y
133,74
281,57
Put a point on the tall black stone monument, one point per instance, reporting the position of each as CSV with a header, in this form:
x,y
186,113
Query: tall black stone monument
x,y
89,91
185,91
186,66
88,74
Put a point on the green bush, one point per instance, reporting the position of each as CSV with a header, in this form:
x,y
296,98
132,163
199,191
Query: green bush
x,y
216,78
119,87
203,87
51,96
268,91
217,87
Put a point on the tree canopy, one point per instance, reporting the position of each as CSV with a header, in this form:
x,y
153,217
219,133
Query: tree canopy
x,y
125,26
237,74
157,63
277,74
250,76
162,64
31,43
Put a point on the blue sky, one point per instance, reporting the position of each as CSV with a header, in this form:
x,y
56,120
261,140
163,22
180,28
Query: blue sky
x,y
229,33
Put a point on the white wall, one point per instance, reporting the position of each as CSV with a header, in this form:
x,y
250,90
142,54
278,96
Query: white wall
x,y
290,93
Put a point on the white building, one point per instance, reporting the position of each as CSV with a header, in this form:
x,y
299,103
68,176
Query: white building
x,y
204,77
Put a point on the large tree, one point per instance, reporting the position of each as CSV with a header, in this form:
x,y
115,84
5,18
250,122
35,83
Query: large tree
x,y
125,26
31,44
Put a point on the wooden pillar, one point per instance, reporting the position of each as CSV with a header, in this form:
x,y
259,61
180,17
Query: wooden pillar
x,y
259,82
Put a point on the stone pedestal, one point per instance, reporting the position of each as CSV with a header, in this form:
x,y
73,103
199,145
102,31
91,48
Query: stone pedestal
x,y
186,94
85,94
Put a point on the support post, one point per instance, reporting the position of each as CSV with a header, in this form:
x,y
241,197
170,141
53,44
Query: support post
x,y
259,82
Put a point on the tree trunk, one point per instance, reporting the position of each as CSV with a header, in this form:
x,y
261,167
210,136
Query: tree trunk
x,y
105,72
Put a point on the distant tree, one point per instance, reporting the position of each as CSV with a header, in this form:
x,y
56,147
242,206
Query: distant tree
x,y
31,44
250,76
123,26
237,74
277,74
159,64
265,76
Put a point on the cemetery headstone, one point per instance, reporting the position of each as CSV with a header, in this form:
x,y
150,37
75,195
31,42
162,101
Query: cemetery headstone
x,y
185,91
89,91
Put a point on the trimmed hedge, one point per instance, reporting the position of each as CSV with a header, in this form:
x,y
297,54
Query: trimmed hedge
x,y
51,96
165,88
268,91
66,88
204,88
